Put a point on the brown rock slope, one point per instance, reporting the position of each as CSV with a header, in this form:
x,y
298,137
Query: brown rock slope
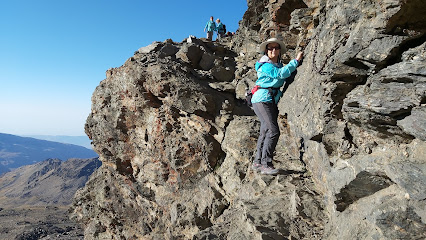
x,y
51,182
35,199
176,141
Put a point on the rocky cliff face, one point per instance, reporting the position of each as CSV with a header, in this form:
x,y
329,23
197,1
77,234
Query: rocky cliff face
x,y
176,139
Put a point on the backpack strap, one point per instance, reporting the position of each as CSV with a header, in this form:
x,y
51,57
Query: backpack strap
x,y
272,91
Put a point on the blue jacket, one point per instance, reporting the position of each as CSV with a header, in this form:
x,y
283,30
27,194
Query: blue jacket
x,y
210,26
219,28
270,74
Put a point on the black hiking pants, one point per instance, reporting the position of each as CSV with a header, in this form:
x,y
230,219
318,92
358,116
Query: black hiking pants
x,y
269,132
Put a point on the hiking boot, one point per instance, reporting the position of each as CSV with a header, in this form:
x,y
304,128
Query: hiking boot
x,y
256,166
268,170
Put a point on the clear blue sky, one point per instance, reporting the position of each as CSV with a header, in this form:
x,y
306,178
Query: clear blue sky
x,y
53,53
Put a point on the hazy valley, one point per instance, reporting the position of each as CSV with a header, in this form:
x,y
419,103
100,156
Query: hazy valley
x,y
34,199
18,151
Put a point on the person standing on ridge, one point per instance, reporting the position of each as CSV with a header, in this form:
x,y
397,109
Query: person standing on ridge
x,y
271,76
220,29
210,27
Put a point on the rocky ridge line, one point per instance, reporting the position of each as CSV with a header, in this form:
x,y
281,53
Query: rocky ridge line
x,y
176,140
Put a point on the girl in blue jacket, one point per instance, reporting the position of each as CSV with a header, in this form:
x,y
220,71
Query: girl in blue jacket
x,y
271,76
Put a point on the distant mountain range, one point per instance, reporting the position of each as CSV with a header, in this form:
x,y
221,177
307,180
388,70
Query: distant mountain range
x,y
50,182
18,151
83,141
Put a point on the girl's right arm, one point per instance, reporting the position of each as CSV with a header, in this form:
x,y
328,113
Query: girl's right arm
x,y
280,72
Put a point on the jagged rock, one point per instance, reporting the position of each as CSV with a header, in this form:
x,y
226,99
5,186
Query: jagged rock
x,y
150,48
410,176
168,50
222,74
177,142
301,19
190,53
207,61
415,124
389,96
380,49
223,69
220,86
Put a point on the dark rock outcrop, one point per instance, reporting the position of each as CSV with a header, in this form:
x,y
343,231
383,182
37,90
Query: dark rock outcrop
x,y
176,139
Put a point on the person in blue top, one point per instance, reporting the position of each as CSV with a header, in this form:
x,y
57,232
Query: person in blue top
x,y
210,27
220,29
271,76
